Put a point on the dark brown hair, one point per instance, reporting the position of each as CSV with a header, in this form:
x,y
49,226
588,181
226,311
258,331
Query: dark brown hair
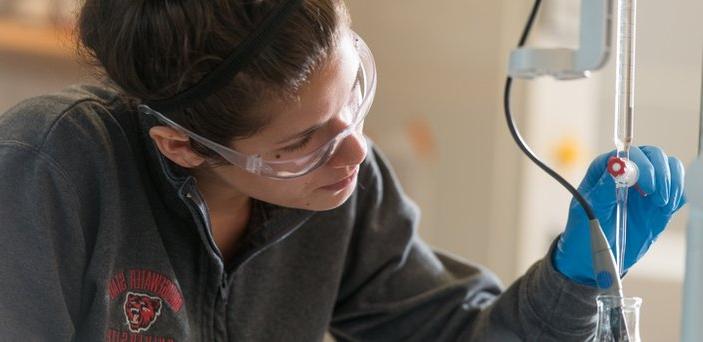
x,y
154,49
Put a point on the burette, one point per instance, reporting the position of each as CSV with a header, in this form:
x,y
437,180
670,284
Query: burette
x,y
623,170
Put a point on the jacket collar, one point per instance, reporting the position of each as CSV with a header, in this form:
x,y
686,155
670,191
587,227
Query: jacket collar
x,y
174,183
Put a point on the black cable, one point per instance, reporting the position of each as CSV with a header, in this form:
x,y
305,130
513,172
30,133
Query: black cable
x,y
530,23
516,135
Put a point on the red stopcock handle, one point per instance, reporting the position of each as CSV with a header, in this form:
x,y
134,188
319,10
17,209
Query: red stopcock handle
x,y
624,172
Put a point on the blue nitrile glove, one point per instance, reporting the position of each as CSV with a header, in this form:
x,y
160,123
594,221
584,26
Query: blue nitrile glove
x,y
661,179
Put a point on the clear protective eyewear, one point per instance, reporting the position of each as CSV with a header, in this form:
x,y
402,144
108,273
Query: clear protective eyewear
x,y
317,149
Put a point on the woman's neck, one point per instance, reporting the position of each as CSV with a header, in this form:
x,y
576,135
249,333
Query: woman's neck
x,y
229,211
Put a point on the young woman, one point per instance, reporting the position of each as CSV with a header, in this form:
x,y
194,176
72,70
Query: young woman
x,y
218,187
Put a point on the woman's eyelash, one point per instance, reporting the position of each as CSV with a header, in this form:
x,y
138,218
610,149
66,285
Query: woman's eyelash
x,y
298,145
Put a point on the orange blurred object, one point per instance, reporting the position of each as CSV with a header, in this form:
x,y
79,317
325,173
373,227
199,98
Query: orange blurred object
x,y
568,152
421,138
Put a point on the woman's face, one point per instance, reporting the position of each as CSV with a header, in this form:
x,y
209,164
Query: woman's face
x,y
322,104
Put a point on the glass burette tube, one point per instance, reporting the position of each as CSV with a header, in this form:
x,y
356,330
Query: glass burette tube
x,y
624,115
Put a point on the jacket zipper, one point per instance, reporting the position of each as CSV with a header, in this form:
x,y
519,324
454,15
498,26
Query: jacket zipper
x,y
203,215
224,282
203,225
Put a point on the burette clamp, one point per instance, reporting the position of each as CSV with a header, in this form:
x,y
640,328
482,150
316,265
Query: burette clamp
x,y
623,171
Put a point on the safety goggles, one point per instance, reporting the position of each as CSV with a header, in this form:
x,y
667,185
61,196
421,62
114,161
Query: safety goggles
x,y
312,151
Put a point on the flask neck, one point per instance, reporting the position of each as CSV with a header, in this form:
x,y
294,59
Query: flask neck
x,y
618,319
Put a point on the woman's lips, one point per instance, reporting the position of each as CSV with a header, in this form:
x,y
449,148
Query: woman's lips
x,y
343,183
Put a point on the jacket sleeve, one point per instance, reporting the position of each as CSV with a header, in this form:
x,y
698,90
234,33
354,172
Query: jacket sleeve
x,y
42,247
395,288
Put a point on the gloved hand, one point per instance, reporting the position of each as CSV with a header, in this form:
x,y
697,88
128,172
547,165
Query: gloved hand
x,y
661,178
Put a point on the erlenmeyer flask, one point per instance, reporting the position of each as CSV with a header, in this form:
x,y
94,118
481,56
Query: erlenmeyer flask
x,y
618,319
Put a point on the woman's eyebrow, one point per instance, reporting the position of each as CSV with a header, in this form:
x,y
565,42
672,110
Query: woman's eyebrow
x,y
319,125
303,133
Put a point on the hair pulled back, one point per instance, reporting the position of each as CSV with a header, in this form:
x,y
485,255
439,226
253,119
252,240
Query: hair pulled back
x,y
154,49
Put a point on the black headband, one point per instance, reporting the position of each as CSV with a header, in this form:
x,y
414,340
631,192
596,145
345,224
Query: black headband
x,y
242,55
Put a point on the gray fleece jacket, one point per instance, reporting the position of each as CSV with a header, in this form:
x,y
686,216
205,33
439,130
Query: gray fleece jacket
x,y
103,239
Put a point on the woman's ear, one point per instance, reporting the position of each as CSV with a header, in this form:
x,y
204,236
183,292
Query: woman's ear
x,y
175,146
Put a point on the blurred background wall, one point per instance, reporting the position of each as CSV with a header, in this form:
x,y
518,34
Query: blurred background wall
x,y
438,116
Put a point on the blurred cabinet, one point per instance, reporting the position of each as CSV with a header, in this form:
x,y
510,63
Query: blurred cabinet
x,y
37,54
23,38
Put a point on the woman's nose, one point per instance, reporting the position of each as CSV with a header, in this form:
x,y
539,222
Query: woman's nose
x,y
350,152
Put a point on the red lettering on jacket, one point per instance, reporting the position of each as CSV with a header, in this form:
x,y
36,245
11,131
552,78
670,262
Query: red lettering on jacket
x,y
158,285
116,285
114,335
